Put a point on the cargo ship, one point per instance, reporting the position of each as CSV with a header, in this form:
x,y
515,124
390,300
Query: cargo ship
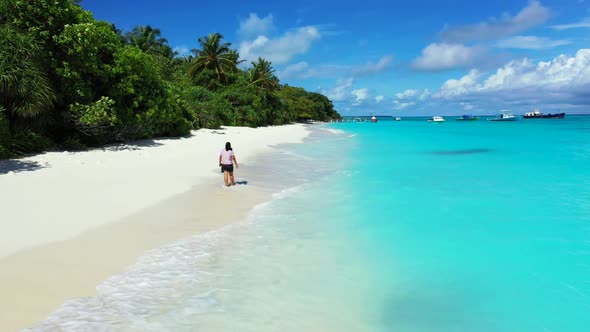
x,y
536,114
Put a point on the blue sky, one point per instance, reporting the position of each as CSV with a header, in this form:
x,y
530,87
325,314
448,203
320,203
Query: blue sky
x,y
418,57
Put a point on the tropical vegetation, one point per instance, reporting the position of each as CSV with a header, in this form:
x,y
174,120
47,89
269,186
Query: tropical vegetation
x,y
69,81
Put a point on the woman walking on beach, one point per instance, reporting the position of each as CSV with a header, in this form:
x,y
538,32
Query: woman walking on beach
x,y
227,159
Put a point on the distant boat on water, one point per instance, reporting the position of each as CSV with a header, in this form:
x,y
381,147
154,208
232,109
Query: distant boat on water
x,y
504,116
536,114
373,119
398,119
436,119
467,118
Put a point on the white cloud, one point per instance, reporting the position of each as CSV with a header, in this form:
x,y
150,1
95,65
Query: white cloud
x,y
182,50
413,94
467,106
296,70
341,91
345,94
372,68
280,50
425,94
409,97
454,87
563,78
255,26
302,70
443,56
398,105
532,15
409,93
360,95
584,23
530,42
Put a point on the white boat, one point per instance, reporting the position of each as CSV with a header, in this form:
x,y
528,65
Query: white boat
x,y
504,116
398,119
373,119
436,119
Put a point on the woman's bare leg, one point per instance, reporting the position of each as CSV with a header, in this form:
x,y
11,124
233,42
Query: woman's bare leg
x,y
231,177
225,174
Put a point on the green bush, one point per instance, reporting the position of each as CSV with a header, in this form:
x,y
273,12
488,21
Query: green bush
x,y
95,121
73,144
139,92
43,19
176,127
28,141
86,68
175,119
146,104
5,137
4,153
245,105
99,113
24,88
192,99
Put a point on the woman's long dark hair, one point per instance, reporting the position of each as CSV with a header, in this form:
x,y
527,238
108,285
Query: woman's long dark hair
x,y
228,146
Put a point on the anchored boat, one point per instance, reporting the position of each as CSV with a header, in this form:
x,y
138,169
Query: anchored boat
x,y
437,119
504,116
536,114
467,117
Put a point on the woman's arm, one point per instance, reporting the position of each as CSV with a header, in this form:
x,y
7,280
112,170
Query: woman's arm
x,y
219,159
235,161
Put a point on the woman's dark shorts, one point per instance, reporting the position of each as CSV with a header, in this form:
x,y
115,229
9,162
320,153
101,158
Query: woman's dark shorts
x,y
227,168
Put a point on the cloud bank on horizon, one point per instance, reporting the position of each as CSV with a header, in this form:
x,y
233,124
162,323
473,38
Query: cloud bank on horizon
x,y
489,65
562,82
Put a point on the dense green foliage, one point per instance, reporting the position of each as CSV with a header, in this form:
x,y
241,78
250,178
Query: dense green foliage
x,y
70,81
5,137
24,89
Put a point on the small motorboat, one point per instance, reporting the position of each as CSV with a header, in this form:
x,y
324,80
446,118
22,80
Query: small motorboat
x,y
504,116
436,119
467,118
373,119
398,119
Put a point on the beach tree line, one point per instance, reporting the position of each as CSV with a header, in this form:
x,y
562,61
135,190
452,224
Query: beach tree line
x,y
70,81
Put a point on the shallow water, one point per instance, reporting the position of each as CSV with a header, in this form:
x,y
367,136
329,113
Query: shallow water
x,y
394,226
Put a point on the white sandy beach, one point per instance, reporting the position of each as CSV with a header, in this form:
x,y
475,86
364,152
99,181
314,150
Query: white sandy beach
x,y
70,220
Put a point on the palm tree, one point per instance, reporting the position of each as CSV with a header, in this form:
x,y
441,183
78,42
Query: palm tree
x,y
24,88
149,40
236,57
261,75
187,59
214,55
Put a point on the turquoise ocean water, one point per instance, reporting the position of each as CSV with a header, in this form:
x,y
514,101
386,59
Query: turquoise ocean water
x,y
402,226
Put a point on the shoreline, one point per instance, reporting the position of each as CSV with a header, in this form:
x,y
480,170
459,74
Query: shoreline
x,y
41,278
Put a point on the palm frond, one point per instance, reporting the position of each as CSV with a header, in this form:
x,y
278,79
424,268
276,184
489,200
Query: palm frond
x,y
214,55
24,89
